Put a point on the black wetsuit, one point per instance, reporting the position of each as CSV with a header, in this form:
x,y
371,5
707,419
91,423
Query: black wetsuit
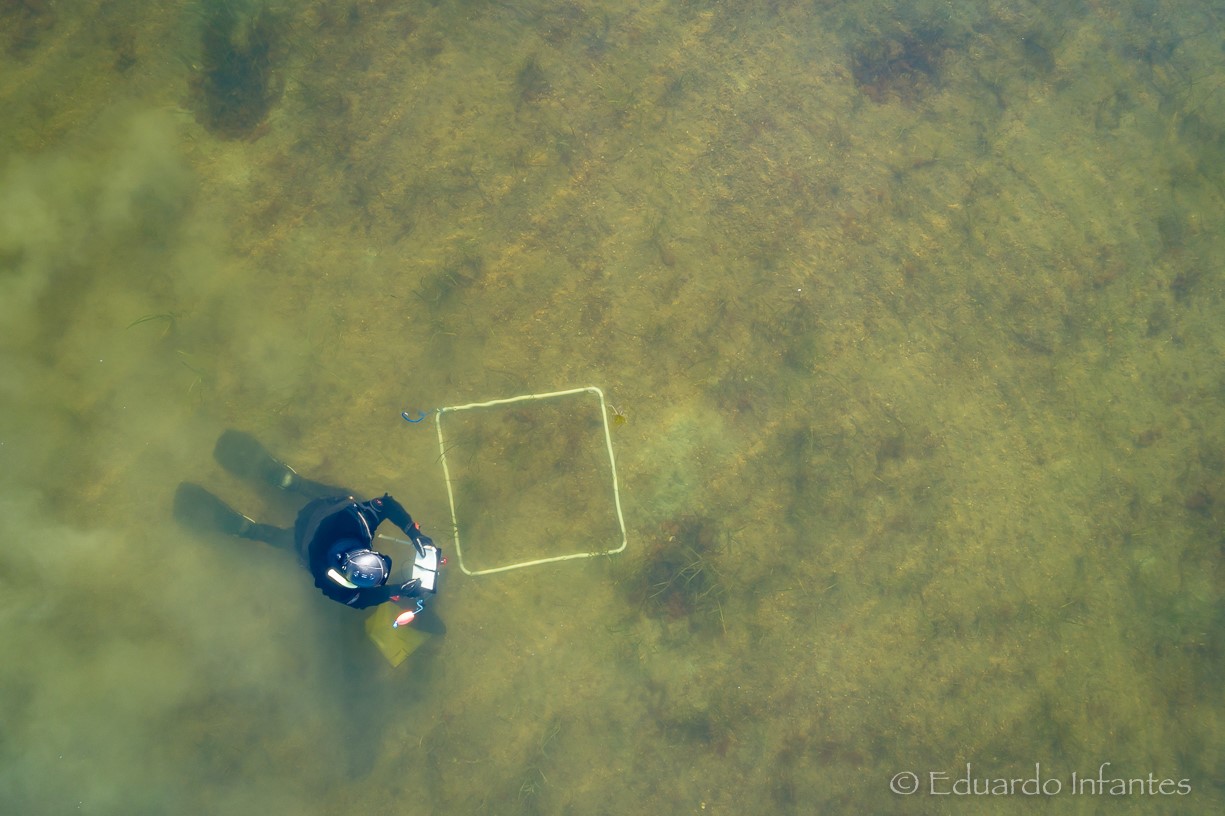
x,y
324,523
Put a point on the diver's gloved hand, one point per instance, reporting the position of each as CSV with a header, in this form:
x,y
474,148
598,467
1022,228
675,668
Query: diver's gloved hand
x,y
409,588
421,541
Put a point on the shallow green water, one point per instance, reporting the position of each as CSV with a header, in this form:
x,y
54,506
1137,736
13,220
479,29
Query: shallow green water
x,y
913,317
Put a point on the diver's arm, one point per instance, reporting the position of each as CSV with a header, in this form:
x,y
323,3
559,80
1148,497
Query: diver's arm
x,y
389,508
373,596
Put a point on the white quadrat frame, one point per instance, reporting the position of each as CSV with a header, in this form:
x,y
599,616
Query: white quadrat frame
x,y
446,471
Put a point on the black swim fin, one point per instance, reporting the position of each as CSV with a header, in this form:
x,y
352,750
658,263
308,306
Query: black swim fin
x,y
242,454
199,510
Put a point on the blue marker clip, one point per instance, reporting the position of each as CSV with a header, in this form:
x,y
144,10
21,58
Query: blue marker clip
x,y
420,416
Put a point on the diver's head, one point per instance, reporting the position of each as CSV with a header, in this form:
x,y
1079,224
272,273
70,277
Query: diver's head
x,y
364,567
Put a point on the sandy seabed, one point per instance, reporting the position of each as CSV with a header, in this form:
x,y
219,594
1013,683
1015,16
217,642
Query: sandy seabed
x,y
911,325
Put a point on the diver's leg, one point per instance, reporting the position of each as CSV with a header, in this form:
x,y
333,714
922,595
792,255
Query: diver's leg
x,y
197,509
243,455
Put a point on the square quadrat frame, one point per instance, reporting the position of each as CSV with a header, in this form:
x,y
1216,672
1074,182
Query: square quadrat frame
x,y
442,452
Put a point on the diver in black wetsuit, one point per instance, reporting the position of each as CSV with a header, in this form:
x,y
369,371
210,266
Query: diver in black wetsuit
x,y
333,535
